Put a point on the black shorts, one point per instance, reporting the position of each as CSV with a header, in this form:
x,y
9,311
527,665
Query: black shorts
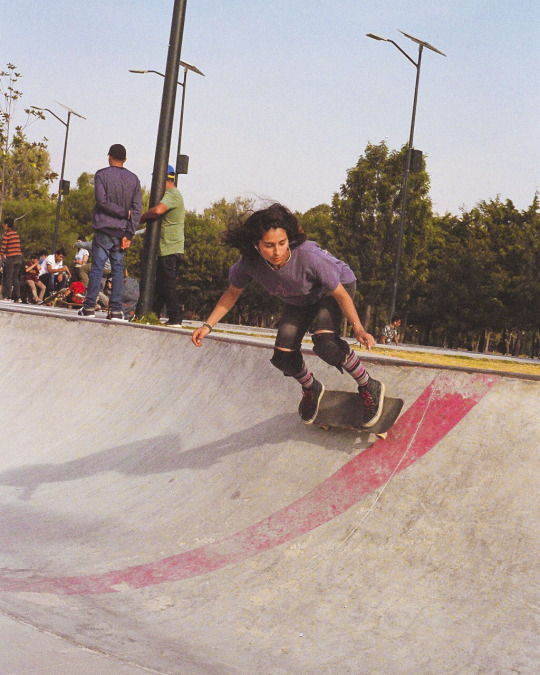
x,y
295,322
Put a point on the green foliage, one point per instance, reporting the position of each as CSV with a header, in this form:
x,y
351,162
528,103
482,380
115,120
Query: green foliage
x,y
25,171
318,225
220,213
36,218
149,319
34,222
133,256
366,214
483,276
207,261
78,205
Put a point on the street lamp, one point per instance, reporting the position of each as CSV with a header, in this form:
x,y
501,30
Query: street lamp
x,y
161,157
421,44
181,160
63,186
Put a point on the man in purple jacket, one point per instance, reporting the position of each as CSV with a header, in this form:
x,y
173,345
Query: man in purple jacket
x,y
116,216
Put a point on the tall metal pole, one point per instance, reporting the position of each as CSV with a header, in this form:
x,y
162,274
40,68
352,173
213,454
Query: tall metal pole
x,y
161,160
421,44
405,187
59,199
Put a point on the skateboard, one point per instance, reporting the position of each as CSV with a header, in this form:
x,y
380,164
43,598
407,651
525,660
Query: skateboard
x,y
344,410
51,300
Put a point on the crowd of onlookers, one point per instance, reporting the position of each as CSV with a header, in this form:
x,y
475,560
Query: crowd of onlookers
x,y
50,279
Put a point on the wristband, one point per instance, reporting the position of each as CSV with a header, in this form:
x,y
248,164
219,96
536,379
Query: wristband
x,y
210,328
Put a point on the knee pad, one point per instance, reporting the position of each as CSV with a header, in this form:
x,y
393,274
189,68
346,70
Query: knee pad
x,y
290,363
330,348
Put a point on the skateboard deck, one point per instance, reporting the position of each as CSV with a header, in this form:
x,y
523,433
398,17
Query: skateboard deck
x,y
344,410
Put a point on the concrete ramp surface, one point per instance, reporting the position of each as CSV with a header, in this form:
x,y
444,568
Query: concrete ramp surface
x,y
162,509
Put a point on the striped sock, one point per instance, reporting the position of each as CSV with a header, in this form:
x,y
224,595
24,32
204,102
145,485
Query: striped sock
x,y
355,368
305,378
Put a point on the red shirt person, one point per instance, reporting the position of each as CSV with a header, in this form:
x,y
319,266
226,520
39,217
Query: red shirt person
x,y
11,255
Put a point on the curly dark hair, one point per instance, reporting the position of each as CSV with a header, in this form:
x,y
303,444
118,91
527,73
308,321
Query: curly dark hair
x,y
245,234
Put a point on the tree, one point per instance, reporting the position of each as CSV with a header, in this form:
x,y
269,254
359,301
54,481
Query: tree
x,y
35,222
513,240
207,261
318,225
204,276
78,205
482,284
462,290
366,219
36,217
220,213
24,166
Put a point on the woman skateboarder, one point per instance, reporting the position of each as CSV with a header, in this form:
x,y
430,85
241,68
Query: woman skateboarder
x,y
317,290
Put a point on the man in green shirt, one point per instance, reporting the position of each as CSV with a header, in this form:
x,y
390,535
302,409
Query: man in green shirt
x,y
172,212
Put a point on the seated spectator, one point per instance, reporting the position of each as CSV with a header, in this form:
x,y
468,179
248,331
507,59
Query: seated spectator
x,y
76,293
391,331
81,266
42,255
31,270
54,273
102,301
130,295
87,245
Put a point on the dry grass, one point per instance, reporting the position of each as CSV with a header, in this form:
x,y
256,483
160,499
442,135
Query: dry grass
x,y
501,366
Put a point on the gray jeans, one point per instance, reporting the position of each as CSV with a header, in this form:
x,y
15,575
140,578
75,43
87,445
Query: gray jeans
x,y
10,277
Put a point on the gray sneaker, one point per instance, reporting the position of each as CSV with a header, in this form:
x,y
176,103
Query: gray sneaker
x,y
309,405
373,395
84,311
115,316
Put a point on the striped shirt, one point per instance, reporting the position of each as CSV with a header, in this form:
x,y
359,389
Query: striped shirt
x,y
11,244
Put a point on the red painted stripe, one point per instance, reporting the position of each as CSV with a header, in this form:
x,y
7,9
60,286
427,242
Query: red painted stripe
x,y
431,417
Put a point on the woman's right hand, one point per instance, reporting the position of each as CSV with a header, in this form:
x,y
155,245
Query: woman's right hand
x,y
224,304
365,338
198,335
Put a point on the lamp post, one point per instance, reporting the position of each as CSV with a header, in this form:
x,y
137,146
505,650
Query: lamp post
x,y
181,160
61,186
421,44
161,158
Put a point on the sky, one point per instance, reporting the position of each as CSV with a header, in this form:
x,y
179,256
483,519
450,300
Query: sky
x,y
292,92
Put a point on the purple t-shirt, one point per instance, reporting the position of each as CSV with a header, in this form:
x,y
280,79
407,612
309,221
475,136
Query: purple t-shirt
x,y
308,276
